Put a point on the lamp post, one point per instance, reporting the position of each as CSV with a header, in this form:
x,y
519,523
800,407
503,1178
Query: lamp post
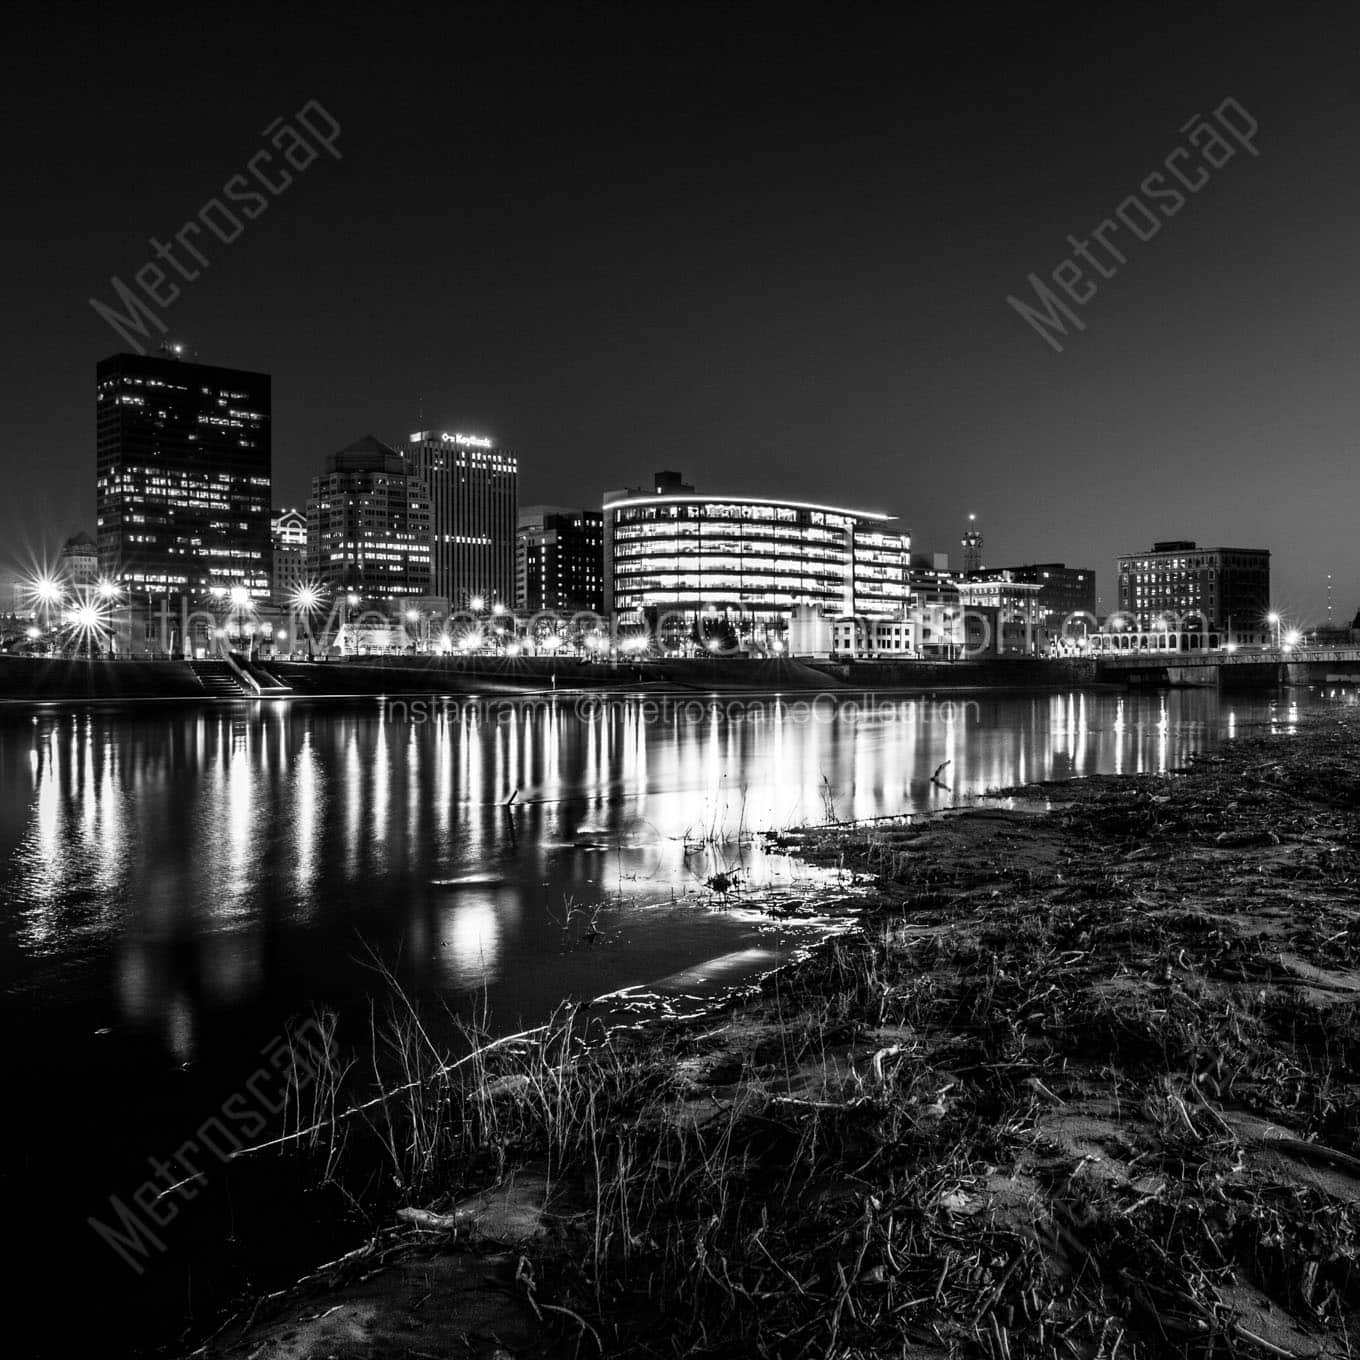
x,y
48,595
1274,619
240,603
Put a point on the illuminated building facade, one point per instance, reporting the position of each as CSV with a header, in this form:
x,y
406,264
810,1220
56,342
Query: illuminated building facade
x,y
368,524
1067,595
1229,587
473,490
78,562
183,476
1001,618
559,559
750,561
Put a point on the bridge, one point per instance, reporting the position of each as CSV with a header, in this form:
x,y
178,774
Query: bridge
x,y
1258,665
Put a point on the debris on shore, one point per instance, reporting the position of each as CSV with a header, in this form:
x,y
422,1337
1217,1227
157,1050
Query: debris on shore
x,y
1085,1084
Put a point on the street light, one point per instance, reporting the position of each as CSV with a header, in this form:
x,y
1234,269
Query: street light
x,y
108,589
477,604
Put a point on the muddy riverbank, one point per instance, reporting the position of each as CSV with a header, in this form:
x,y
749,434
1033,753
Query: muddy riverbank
x,y
1086,1083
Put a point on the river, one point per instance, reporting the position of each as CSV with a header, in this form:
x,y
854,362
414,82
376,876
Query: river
x,y
178,882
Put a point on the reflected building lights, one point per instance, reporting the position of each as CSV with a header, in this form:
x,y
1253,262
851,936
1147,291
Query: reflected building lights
x,y
164,846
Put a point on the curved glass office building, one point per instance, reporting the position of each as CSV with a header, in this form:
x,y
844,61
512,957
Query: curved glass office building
x,y
750,561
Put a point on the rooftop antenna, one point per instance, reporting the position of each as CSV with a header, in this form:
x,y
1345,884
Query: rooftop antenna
x,y
972,547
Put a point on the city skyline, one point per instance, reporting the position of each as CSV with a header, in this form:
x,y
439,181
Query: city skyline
x,y
795,252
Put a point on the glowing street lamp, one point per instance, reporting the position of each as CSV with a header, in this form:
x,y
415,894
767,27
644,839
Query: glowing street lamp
x,y
108,589
1274,619
477,603
88,623
1292,639
46,592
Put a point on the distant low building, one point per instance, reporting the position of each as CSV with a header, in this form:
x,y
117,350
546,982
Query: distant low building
x,y
876,638
78,562
1002,617
1067,597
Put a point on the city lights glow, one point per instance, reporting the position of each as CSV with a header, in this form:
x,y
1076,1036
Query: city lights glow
x,y
306,597
239,596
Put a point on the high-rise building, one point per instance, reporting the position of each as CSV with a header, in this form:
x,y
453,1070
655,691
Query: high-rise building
x,y
750,560
1177,582
559,559
368,524
183,480
473,490
288,540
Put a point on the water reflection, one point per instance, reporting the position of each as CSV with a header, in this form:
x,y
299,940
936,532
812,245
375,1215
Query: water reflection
x,y
181,864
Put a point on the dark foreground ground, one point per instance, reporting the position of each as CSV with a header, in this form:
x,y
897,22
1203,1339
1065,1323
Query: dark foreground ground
x,y
1087,1084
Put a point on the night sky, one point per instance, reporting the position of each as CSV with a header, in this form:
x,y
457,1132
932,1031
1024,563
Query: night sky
x,y
768,247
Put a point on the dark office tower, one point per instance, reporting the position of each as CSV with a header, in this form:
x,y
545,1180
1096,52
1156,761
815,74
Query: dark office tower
x,y
559,559
1227,587
368,524
473,488
184,465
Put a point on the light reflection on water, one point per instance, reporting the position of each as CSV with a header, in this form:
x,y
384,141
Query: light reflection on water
x,y
176,884
177,864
